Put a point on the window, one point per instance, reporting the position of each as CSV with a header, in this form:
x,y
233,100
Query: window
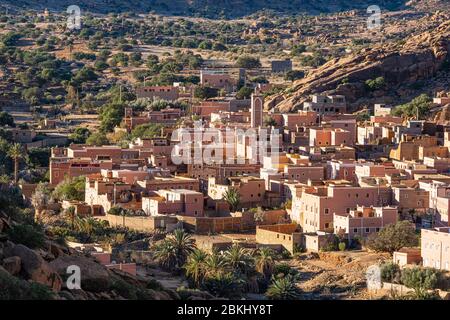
x,y
367,230
378,229
355,230
327,225
347,210
326,211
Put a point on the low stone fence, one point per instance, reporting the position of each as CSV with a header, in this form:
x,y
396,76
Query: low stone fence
x,y
144,223
400,289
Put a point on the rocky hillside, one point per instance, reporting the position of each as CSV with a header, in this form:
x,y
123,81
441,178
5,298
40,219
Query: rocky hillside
x,y
34,263
208,8
40,273
416,64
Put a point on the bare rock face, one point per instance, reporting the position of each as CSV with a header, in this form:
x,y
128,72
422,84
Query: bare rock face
x,y
443,116
419,58
35,268
94,276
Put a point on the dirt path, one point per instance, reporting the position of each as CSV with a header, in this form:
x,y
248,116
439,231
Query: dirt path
x,y
335,275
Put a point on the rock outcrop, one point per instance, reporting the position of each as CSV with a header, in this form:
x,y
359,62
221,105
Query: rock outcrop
x,y
35,268
25,274
94,277
419,58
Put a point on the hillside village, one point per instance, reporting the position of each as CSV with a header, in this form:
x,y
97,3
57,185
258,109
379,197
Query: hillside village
x,y
204,159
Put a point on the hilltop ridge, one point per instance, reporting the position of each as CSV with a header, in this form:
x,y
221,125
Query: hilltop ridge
x,y
208,8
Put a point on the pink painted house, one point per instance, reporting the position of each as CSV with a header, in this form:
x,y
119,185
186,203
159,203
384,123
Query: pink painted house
x,y
179,202
314,207
435,248
364,221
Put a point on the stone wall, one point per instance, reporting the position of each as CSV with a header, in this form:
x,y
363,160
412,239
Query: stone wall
x,y
140,223
203,225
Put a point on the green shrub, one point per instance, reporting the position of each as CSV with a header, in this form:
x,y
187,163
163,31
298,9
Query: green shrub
x,y
393,237
331,245
154,285
421,280
342,246
375,84
13,288
286,255
129,291
248,62
283,289
390,272
27,235
285,269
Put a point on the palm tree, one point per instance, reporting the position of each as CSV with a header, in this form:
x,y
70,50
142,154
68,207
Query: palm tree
x,y
214,264
172,253
70,212
15,152
233,198
164,253
283,289
183,245
238,259
264,262
224,285
195,266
